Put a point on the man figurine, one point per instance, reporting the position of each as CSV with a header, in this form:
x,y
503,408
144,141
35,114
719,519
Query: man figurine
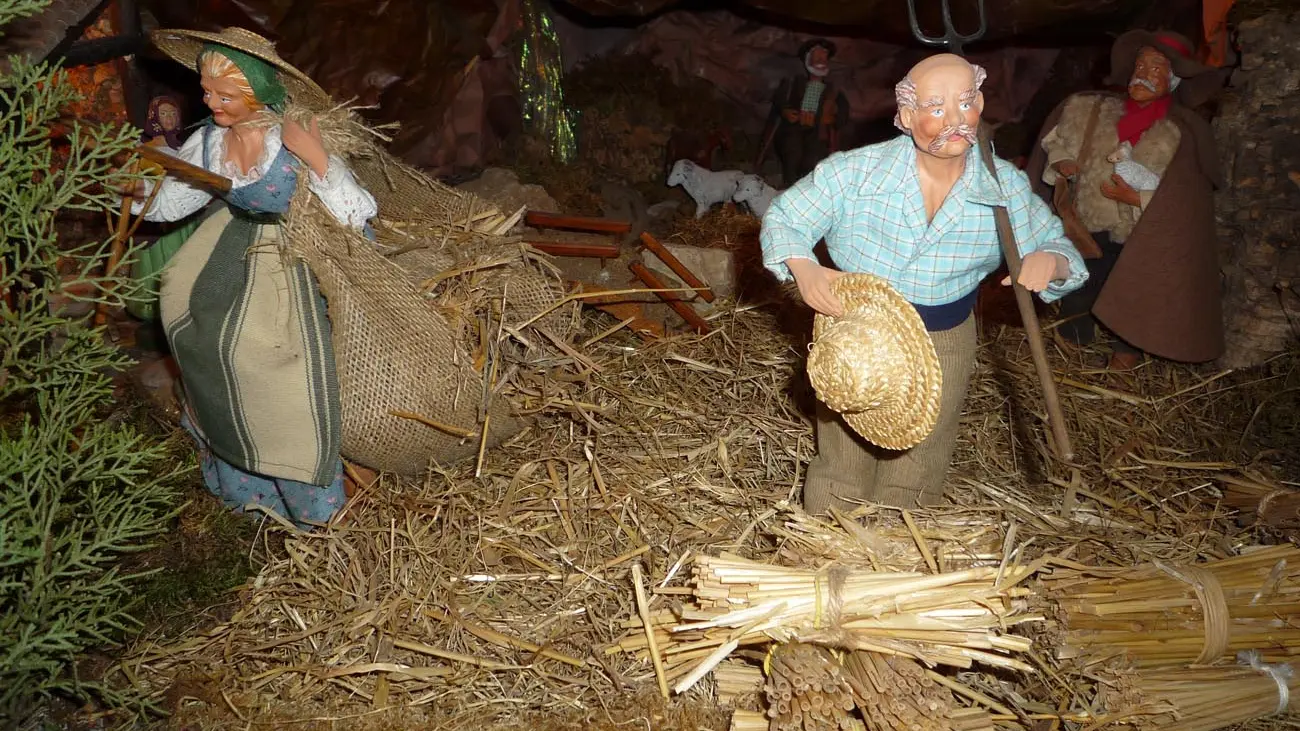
x,y
1155,284
918,212
807,116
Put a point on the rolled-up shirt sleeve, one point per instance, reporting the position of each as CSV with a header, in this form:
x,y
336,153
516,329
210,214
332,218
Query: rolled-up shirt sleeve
x,y
175,198
801,215
339,190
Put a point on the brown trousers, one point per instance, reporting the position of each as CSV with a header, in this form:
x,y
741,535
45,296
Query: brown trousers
x,y
847,466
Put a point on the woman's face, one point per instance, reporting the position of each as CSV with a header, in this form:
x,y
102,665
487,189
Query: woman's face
x,y
169,117
222,96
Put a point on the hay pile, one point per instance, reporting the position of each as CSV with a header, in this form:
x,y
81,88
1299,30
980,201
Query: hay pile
x,y
495,601
627,106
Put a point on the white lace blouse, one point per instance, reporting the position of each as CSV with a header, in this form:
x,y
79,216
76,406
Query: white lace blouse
x,y
342,195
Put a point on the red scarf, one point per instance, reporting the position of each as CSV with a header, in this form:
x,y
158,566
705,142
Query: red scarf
x,y
1138,119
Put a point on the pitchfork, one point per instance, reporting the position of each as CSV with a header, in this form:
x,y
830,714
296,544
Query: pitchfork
x,y
950,38
1006,236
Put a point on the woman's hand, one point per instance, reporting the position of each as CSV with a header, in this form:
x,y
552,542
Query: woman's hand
x,y
814,282
131,188
306,144
1040,268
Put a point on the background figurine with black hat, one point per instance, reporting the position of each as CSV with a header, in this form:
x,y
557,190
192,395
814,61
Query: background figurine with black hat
x,y
1155,274
918,213
808,114
248,326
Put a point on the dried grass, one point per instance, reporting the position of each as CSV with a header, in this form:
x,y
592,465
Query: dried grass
x,y
475,602
627,106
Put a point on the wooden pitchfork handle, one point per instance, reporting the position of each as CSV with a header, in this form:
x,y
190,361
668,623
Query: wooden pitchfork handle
x,y
124,229
1007,238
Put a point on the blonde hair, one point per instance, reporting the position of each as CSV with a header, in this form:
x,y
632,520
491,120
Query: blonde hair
x,y
216,66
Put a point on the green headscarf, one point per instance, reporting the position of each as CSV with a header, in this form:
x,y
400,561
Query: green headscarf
x,y
262,76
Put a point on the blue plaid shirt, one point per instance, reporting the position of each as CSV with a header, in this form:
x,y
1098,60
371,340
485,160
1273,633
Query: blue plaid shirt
x,y
867,204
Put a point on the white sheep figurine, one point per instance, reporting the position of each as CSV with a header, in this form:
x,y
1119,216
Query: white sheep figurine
x,y
1134,173
755,193
703,185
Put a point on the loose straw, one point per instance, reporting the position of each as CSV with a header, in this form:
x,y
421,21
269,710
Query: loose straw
x,y
643,609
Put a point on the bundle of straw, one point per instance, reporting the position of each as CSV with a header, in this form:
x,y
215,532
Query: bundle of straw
x,y
1201,698
735,680
953,618
1160,615
743,720
1261,501
896,693
806,690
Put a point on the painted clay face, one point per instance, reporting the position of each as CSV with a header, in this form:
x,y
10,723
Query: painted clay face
x,y
1150,78
169,117
223,97
943,117
818,61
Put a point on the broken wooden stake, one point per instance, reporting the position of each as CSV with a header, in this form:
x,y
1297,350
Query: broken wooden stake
x,y
687,312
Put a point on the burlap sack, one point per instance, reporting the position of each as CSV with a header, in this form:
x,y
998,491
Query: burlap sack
x,y
409,310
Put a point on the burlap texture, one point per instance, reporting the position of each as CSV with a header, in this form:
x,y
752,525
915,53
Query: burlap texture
x,y
409,310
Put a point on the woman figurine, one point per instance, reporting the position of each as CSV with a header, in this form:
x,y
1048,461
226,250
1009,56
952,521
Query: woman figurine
x,y
163,122
247,325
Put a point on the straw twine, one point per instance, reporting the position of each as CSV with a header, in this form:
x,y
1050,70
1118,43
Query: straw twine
x,y
876,365
1214,608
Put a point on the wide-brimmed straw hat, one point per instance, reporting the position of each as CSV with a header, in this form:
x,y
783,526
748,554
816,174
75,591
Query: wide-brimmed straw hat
x,y
876,365
184,47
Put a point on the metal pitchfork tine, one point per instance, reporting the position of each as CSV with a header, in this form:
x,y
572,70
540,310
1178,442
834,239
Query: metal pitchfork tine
x,y
1006,236
950,38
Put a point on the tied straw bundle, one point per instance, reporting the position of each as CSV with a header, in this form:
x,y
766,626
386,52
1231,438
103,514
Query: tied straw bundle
x,y
1262,501
955,619
807,690
1199,698
1160,615
895,692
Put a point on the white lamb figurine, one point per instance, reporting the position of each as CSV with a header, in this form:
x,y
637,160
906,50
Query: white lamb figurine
x,y
1134,173
703,185
755,193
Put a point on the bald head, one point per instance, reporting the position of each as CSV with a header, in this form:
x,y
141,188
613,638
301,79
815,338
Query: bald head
x,y
939,103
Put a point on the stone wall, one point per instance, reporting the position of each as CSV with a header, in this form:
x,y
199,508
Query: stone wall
x,y
1258,133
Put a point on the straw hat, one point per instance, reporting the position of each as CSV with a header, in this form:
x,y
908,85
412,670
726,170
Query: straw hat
x,y
184,47
876,365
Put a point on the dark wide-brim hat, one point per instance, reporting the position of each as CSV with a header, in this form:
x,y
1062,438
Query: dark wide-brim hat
x,y
1180,52
814,43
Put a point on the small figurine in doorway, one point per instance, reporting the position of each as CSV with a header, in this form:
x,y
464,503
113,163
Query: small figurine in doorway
x,y
808,114
163,124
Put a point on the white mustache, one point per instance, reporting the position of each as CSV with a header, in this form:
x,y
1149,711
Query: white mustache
x,y
963,131
1143,82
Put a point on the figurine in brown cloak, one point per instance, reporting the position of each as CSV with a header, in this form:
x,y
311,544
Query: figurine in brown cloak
x,y
808,115
1142,213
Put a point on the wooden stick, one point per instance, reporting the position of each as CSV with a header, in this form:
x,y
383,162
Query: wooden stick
x,y
643,609
1007,237
677,266
115,253
183,170
565,248
688,313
